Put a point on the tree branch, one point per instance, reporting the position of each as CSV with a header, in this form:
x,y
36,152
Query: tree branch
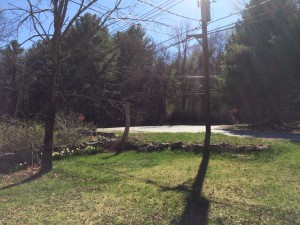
x,y
81,9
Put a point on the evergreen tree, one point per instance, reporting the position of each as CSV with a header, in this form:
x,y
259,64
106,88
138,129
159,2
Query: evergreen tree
x,y
89,69
260,61
89,59
12,78
135,65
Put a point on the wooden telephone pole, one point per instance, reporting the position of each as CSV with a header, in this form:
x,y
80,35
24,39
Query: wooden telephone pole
x,y
205,18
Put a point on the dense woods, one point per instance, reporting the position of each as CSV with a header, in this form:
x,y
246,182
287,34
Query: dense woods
x,y
262,63
255,69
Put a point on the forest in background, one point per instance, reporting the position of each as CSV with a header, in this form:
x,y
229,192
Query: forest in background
x,y
254,68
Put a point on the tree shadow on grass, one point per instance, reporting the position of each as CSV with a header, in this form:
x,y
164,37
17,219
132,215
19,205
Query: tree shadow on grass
x,y
294,137
27,180
113,155
179,188
196,209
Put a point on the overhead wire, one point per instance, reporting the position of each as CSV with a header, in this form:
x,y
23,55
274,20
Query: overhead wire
x,y
101,7
223,28
214,21
157,8
182,33
150,15
161,9
144,16
239,12
247,22
160,13
159,32
169,46
167,11
119,28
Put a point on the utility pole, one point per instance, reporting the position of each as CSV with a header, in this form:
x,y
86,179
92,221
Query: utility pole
x,y
205,17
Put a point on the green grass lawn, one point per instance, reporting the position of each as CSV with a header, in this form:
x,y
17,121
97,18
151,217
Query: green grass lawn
x,y
153,188
194,138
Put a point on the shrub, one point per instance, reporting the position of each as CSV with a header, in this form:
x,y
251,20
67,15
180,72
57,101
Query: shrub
x,y
22,138
69,131
25,138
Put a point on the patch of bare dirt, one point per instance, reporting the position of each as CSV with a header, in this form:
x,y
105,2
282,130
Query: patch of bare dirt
x,y
19,175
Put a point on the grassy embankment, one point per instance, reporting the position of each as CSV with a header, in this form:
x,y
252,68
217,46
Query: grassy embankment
x,y
153,188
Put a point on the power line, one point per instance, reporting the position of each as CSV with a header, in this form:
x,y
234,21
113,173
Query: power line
x,y
146,15
209,23
216,31
138,19
101,7
160,13
225,28
92,9
169,46
236,13
167,11
150,17
185,32
243,24
159,32
162,9
118,19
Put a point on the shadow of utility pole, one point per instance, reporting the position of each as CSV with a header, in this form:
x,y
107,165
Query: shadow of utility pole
x,y
196,210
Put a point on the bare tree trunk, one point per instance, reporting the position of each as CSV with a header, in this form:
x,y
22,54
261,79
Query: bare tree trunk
x,y
49,126
17,105
183,81
46,164
20,93
126,107
61,24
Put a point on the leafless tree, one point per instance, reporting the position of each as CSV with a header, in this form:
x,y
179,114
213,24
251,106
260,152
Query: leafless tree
x,y
240,4
59,19
217,43
6,28
181,59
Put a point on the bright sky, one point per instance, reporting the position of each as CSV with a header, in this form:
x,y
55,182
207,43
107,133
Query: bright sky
x,y
144,11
